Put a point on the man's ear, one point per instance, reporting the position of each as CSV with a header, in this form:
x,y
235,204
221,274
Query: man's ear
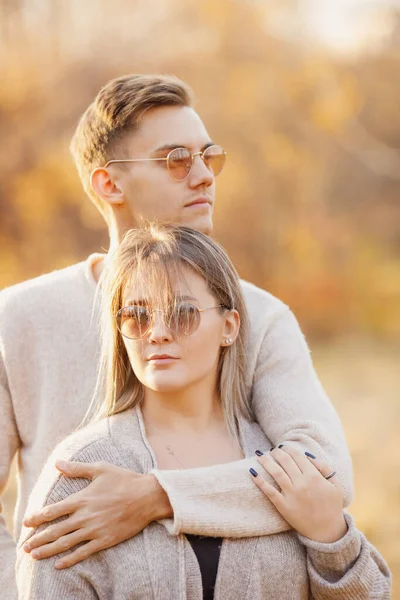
x,y
106,187
231,327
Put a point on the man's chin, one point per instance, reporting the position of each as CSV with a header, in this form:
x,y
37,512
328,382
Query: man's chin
x,y
204,225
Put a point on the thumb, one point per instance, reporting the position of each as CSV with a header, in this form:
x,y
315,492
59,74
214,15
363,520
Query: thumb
x,y
76,469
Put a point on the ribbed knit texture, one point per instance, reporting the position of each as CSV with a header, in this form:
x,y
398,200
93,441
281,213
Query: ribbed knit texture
x,y
48,359
156,564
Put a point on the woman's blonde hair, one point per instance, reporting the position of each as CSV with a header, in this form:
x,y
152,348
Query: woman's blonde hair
x,y
155,255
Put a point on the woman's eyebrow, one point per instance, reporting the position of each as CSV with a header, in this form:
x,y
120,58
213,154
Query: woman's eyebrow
x,y
144,302
185,297
138,302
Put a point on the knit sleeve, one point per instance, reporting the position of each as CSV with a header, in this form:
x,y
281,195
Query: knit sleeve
x,y
40,580
220,501
9,443
290,403
349,568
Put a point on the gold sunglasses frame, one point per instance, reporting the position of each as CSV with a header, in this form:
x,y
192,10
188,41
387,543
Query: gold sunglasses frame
x,y
151,312
129,160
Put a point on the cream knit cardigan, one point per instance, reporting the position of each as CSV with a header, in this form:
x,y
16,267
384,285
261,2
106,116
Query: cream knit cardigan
x,y
155,564
48,359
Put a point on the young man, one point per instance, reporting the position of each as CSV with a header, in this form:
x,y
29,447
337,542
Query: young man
x,y
142,152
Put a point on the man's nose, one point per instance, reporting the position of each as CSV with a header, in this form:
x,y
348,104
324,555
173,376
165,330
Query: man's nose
x,y
200,174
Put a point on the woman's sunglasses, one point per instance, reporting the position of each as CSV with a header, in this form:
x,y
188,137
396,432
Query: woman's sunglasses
x,y
180,161
134,321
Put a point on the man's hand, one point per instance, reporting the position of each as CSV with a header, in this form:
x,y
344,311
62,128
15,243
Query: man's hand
x,y
117,505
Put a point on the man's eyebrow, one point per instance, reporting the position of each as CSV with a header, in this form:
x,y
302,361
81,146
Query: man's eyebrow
x,y
170,147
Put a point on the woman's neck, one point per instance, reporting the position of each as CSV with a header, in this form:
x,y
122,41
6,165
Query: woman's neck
x,y
196,409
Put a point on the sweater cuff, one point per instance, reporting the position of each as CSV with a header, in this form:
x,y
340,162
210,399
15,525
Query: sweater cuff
x,y
333,560
173,525
221,501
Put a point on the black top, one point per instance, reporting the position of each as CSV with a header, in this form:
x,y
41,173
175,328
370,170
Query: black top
x,y
207,551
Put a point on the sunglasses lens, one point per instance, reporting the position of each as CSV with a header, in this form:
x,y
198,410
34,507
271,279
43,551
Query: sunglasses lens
x,y
214,158
179,163
133,321
184,319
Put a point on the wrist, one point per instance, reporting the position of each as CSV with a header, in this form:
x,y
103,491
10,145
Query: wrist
x,y
159,504
333,533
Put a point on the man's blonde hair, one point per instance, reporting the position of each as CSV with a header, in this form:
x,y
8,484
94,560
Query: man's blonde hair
x,y
156,255
116,111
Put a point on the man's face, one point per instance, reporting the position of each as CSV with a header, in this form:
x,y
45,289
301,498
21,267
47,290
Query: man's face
x,y
148,190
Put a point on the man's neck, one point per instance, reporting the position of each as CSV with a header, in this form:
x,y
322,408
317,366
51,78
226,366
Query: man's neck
x,y
116,234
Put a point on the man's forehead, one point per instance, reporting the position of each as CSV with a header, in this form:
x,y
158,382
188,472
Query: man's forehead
x,y
168,127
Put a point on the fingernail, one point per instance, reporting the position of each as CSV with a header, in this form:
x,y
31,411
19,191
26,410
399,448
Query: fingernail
x,y
259,453
59,564
35,554
310,455
273,448
281,445
253,472
61,463
27,548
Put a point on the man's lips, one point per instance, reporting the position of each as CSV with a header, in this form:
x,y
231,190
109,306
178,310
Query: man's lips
x,y
199,200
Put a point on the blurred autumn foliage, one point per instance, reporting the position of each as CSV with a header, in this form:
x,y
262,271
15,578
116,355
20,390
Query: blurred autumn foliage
x,y
308,205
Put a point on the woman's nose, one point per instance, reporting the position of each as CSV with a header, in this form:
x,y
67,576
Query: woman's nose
x,y
159,331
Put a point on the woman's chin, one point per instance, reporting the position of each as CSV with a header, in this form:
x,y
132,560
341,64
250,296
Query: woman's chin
x,y
165,385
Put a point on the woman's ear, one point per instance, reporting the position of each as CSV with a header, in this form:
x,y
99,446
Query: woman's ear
x,y
231,327
106,187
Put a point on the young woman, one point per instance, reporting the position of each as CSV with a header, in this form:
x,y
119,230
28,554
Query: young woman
x,y
174,359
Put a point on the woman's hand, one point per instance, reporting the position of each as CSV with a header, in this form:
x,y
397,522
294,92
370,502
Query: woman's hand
x,y
115,506
311,504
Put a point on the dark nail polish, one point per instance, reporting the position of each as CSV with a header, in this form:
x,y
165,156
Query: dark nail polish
x,y
310,455
273,448
253,472
281,445
259,453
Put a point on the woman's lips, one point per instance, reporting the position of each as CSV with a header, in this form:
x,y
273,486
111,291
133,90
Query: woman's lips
x,y
161,359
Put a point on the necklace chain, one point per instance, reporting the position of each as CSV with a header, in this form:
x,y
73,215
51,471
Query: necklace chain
x,y
175,456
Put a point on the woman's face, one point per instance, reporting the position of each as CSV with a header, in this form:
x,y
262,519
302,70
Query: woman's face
x,y
166,362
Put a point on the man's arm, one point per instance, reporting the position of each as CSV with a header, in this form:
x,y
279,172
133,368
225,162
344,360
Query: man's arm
x,y
290,403
292,408
9,442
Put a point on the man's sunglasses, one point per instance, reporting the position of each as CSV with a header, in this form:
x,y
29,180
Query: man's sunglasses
x,y
180,161
134,321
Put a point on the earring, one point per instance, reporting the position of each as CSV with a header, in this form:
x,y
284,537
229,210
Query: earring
x,y
228,341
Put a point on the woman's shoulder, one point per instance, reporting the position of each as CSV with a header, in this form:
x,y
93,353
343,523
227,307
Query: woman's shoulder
x,y
101,441
88,444
94,443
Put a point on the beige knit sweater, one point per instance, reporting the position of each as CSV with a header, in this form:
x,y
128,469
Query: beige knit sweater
x,y
48,360
155,564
